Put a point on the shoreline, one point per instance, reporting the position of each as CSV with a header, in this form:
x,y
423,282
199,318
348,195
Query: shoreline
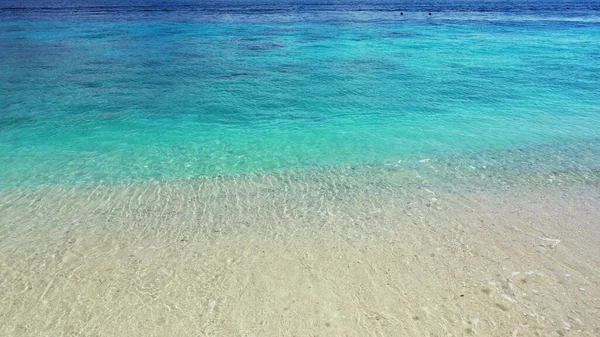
x,y
329,252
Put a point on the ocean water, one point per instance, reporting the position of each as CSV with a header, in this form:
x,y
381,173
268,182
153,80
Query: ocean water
x,y
105,91
325,168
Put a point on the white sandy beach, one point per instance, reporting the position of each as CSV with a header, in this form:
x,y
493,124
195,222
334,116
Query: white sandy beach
x,y
344,255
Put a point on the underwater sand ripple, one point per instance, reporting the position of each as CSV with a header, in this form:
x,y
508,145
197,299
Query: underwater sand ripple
x,y
318,252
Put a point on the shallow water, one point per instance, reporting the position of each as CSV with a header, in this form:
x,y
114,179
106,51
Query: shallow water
x,y
356,251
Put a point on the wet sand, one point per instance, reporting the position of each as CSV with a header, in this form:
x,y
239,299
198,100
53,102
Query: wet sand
x,y
324,253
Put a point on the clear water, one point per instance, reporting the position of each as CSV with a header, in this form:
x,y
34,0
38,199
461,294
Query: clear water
x,y
104,91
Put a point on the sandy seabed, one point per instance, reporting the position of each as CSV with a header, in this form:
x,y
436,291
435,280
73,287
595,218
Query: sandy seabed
x,y
341,252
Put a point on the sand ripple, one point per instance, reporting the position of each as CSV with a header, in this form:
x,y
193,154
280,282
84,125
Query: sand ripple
x,y
335,253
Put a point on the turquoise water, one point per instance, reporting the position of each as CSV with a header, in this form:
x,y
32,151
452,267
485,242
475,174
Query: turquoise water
x,y
114,94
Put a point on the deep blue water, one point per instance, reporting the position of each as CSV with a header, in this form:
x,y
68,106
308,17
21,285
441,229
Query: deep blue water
x,y
112,91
